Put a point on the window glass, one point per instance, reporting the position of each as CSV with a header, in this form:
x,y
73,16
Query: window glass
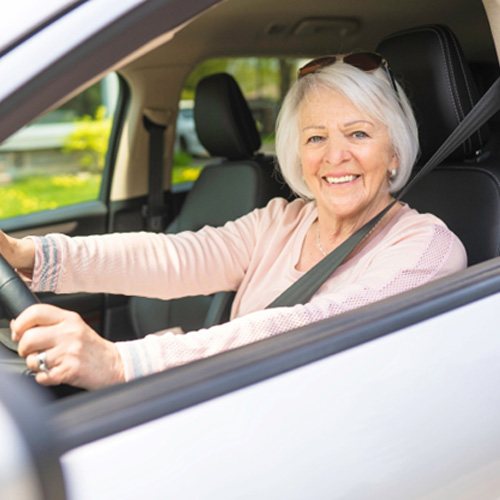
x,y
58,159
264,83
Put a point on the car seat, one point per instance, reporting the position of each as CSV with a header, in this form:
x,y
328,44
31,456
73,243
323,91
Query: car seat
x,y
465,190
240,180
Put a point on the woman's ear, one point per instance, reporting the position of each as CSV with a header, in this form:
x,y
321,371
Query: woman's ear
x,y
394,160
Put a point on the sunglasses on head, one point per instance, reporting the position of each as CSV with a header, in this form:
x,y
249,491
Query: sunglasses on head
x,y
365,61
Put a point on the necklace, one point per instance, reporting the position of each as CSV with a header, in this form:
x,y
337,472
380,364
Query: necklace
x,y
318,242
319,246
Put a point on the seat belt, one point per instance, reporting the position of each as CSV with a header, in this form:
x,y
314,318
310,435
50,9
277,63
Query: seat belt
x,y
220,309
305,287
155,211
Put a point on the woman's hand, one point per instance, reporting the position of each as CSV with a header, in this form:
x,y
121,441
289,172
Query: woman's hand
x,y
19,253
74,353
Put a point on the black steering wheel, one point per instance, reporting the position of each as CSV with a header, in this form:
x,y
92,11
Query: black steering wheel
x,y
15,296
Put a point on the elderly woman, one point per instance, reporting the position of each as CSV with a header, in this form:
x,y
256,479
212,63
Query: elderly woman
x,y
346,139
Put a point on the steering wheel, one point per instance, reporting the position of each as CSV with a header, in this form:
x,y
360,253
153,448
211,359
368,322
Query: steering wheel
x,y
15,296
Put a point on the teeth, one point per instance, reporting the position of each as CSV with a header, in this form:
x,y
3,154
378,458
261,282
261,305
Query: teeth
x,y
340,180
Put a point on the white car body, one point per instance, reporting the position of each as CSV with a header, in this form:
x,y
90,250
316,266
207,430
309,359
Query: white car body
x,y
411,415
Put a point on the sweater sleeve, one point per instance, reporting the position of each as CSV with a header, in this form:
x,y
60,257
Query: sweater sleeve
x,y
407,262
147,264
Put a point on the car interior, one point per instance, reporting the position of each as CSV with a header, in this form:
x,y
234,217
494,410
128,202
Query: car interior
x,y
428,61
242,179
442,53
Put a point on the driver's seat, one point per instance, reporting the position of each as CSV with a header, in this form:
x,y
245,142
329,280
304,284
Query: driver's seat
x,y
238,181
465,190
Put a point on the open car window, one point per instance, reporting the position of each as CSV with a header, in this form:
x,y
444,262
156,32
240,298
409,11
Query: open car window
x,y
58,159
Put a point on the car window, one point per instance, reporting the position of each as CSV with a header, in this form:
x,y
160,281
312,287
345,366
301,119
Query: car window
x,y
58,159
264,82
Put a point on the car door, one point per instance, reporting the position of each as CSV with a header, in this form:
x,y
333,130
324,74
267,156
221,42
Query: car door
x,y
392,400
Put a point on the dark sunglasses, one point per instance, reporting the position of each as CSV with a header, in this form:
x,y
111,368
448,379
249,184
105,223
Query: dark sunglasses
x,y
365,61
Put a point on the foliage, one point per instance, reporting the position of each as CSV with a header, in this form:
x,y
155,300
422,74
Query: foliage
x,y
269,138
184,169
259,77
185,174
264,82
182,159
86,102
36,193
90,138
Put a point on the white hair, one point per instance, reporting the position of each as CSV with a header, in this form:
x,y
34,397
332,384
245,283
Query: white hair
x,y
371,92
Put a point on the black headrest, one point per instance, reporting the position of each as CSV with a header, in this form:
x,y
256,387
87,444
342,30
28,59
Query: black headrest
x,y
224,123
429,64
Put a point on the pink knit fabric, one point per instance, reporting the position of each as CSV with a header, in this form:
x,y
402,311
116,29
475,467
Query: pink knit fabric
x,y
255,255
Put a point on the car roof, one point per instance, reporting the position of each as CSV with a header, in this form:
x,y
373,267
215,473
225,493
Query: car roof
x,y
309,27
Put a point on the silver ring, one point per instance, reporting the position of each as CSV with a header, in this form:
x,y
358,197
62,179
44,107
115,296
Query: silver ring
x,y
41,359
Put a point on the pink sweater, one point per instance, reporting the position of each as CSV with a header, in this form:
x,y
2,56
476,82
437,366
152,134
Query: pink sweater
x,y
255,255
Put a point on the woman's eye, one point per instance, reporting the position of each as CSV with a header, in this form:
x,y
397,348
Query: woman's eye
x,y
314,139
359,134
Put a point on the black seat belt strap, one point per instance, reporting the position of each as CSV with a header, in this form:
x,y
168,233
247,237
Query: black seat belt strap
x,y
483,110
154,212
305,287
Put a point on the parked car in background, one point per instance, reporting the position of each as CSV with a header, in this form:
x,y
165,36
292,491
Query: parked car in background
x,y
393,400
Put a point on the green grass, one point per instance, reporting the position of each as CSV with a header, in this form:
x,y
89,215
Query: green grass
x,y
40,192
36,193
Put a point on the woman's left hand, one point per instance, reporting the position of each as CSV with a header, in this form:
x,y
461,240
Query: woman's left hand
x,y
74,353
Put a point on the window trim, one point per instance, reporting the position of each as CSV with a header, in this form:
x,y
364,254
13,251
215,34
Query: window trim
x,y
142,24
119,117
41,25
39,221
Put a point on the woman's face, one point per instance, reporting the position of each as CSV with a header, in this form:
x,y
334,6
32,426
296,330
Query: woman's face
x,y
346,155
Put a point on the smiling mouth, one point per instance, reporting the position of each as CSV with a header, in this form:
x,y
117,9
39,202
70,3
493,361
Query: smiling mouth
x,y
344,179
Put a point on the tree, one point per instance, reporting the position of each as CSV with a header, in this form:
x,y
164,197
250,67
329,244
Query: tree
x,y
90,138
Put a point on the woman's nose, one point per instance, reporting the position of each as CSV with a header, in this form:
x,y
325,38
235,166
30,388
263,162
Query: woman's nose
x,y
337,151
